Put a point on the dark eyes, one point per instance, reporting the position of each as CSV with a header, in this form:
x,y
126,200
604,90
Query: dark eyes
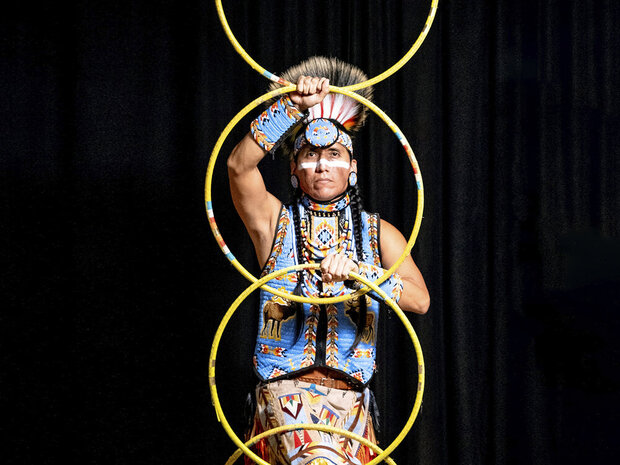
x,y
332,153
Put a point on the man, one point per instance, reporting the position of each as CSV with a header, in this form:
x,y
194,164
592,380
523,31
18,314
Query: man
x,y
315,361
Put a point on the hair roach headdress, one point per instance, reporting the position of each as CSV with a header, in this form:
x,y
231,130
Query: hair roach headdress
x,y
337,116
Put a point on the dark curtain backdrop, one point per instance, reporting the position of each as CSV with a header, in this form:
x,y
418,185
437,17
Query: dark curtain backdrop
x,y
113,285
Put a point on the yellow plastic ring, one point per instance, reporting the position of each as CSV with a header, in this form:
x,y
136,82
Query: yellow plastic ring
x,y
222,243
324,428
218,335
360,85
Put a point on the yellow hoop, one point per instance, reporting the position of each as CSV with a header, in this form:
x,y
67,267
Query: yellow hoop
x,y
287,295
324,428
360,85
218,335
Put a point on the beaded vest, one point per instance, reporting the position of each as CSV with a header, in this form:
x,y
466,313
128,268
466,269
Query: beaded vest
x,y
327,331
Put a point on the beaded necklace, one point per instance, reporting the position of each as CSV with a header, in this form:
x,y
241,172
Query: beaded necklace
x,y
325,228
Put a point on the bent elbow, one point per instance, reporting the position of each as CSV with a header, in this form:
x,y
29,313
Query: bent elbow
x,y
420,305
424,305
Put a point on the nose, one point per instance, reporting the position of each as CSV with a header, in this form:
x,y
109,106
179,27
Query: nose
x,y
322,164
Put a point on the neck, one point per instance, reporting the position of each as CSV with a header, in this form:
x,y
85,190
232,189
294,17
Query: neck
x,y
336,204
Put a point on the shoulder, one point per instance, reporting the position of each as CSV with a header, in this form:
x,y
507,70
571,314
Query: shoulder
x,y
390,238
387,229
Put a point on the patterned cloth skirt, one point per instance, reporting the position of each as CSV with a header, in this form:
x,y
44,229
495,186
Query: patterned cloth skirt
x,y
288,402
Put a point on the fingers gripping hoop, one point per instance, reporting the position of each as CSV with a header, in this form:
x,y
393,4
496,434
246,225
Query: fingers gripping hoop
x,y
284,294
360,85
383,455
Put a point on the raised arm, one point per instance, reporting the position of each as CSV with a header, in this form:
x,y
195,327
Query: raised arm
x,y
258,208
415,296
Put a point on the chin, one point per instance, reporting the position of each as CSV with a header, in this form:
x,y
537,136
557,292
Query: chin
x,y
323,196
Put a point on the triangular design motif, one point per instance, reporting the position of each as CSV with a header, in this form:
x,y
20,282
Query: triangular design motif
x,y
297,440
291,404
328,417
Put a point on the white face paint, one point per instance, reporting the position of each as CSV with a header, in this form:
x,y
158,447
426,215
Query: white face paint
x,y
311,165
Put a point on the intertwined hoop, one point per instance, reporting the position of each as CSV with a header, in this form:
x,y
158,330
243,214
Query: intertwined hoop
x,y
216,341
262,282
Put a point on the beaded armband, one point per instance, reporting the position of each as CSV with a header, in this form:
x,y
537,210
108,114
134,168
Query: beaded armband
x,y
270,128
393,286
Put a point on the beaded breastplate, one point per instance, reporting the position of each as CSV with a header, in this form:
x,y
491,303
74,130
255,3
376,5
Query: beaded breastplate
x,y
327,332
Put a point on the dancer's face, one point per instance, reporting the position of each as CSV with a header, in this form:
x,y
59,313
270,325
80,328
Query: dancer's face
x,y
323,172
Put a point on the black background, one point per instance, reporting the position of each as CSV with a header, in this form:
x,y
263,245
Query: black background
x,y
113,285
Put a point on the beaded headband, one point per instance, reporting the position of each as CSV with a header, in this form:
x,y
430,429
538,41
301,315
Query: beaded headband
x,y
322,132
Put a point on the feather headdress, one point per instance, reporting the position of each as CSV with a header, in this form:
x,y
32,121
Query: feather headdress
x,y
347,111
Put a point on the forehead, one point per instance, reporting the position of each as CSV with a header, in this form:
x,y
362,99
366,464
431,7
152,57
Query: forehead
x,y
320,150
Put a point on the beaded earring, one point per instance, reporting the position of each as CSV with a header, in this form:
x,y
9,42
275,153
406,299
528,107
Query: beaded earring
x,y
294,181
352,178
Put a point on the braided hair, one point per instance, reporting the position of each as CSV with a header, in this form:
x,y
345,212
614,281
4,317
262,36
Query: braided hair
x,y
298,306
356,213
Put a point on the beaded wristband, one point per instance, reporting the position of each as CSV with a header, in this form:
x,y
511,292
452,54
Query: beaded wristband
x,y
393,286
270,128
